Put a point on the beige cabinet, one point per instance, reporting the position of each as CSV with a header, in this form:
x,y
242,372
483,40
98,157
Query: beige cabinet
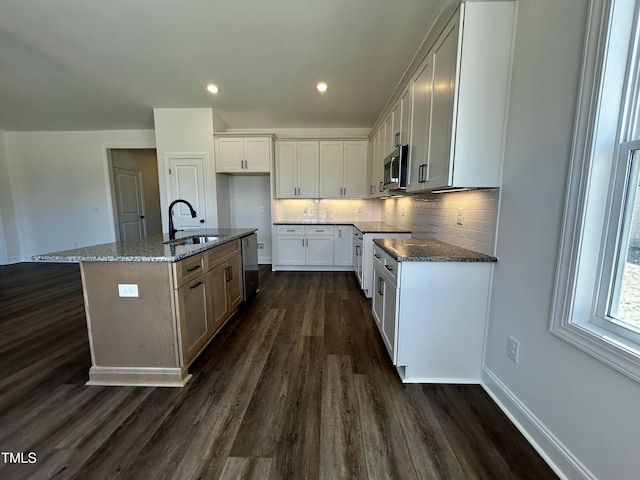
x,y
460,101
212,294
296,169
343,169
243,154
194,314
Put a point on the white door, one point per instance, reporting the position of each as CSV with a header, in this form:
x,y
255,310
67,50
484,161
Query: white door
x,y
186,175
130,203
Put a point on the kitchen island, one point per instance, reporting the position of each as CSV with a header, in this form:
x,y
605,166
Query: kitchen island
x,y
153,304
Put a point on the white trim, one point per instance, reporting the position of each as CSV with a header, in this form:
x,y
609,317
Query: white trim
x,y
593,156
550,448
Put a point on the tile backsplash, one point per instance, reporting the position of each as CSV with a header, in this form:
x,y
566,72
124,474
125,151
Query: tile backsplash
x,y
325,210
438,216
429,215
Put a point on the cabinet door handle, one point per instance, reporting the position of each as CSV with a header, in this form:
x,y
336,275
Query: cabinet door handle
x,y
193,269
357,249
291,231
380,282
376,255
388,268
195,286
230,272
382,186
396,139
371,189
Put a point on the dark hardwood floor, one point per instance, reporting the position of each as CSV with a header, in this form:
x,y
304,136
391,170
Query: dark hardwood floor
x,y
297,386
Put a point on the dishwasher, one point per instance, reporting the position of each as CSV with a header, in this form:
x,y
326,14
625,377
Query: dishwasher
x,y
250,266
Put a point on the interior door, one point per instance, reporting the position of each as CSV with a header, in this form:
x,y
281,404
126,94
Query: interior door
x,y
186,175
129,189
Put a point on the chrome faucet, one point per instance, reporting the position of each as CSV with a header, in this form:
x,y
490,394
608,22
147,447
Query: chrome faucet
x,y
172,230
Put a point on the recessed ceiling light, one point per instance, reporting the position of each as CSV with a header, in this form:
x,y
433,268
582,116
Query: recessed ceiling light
x,y
322,87
212,88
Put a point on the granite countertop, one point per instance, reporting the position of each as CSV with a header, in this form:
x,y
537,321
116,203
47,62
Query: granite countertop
x,y
429,250
364,227
150,249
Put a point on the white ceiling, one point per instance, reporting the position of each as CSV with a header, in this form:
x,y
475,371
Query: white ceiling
x,y
91,65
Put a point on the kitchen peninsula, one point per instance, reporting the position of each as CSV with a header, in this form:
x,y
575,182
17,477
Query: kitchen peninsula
x,y
153,304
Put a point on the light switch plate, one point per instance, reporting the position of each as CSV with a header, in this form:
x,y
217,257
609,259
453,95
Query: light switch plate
x,y
128,290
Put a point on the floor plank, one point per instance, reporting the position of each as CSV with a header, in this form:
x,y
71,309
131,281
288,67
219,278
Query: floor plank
x,y
298,385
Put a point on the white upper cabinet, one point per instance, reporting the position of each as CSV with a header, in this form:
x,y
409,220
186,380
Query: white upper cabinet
x,y
243,154
343,169
460,100
297,169
376,163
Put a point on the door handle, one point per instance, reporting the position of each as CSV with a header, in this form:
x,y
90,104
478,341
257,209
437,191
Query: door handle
x,y
202,220
195,286
380,282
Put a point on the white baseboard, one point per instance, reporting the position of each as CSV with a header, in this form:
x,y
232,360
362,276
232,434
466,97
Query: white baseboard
x,y
559,458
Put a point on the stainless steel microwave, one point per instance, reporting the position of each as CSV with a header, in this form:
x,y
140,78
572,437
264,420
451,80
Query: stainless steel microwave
x,y
395,168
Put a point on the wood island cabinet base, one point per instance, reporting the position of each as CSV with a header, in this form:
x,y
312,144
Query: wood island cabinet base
x,y
138,376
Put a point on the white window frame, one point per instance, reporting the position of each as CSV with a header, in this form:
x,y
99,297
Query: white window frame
x,y
607,115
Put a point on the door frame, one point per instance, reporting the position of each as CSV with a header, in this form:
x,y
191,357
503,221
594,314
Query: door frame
x,y
109,182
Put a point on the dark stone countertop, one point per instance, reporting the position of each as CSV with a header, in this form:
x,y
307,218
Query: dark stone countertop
x,y
150,249
429,250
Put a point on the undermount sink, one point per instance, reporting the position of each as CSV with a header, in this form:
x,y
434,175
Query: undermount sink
x,y
194,239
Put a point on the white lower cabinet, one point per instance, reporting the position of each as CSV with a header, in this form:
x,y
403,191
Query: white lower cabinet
x,y
363,256
432,317
343,246
298,245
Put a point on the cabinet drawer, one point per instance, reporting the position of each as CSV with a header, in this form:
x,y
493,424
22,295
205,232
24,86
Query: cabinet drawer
x,y
186,270
220,254
318,230
385,263
290,230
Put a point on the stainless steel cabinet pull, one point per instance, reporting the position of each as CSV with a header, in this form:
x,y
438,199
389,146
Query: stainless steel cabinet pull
x,y
382,186
290,230
195,286
303,242
357,249
380,282
230,272
396,139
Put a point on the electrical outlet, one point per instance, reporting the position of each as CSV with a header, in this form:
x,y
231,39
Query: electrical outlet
x,y
260,245
128,290
261,209
460,217
306,210
513,348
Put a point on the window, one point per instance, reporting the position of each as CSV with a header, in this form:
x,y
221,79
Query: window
x,y
597,292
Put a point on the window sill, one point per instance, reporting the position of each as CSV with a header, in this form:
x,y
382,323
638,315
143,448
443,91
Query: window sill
x,y
615,351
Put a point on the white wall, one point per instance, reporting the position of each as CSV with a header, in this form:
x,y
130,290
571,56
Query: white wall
x,y
60,185
185,130
584,414
247,194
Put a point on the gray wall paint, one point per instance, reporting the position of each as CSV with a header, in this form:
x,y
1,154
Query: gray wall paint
x,y
590,409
